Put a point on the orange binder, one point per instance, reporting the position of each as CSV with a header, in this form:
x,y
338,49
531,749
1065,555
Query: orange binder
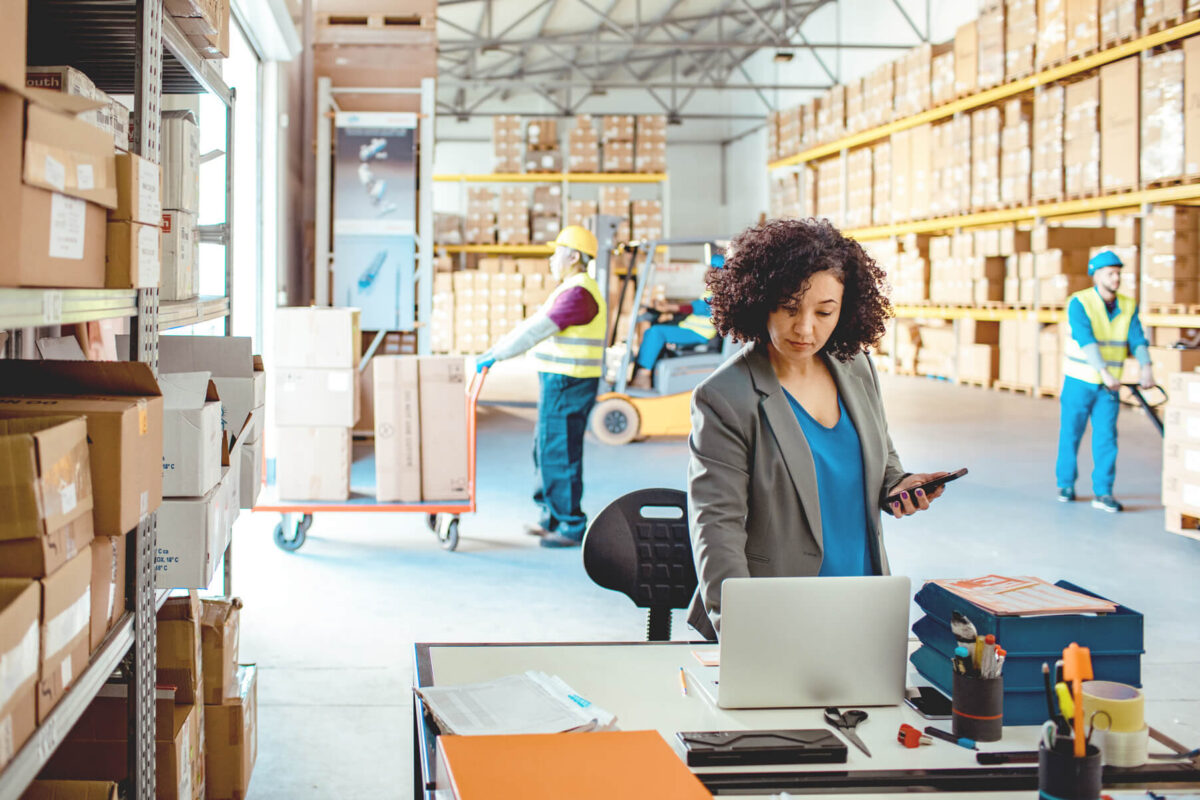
x,y
551,766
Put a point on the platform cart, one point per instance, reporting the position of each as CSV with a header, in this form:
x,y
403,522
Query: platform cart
x,y
442,517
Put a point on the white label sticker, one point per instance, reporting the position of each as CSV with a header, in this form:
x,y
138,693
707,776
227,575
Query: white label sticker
x,y
290,386
339,381
148,197
52,307
1191,494
68,225
1193,392
18,665
1192,426
6,739
144,503
147,255
67,674
85,177
72,550
67,493
1191,460
56,173
67,624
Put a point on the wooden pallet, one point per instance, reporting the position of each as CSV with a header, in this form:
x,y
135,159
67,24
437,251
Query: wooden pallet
x,y
1118,40
1169,22
1088,195
982,384
1015,388
1180,521
1178,180
1068,59
1172,308
1046,391
379,22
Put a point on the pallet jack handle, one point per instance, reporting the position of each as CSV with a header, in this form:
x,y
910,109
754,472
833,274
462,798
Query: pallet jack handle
x,y
1136,391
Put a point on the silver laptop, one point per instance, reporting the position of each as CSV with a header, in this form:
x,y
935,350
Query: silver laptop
x,y
804,642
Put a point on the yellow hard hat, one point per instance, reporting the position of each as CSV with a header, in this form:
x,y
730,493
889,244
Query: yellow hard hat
x,y
578,238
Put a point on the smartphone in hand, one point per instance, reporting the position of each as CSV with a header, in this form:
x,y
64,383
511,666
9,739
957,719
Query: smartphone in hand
x,y
929,486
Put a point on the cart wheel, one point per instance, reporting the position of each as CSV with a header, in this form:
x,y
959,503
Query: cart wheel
x,y
431,521
615,421
449,536
299,533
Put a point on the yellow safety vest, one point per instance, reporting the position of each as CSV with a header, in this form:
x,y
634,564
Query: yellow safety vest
x,y
1111,334
577,351
697,323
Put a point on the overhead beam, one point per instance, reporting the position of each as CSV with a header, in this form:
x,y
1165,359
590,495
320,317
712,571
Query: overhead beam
x,y
517,82
924,37
575,39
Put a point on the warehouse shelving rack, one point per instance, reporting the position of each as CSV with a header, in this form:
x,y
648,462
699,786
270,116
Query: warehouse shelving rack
x,y
126,47
565,180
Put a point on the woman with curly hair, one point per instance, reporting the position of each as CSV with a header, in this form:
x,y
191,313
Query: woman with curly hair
x,y
791,461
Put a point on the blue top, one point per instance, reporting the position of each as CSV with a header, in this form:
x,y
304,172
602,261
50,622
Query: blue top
x,y
1081,325
837,456
701,308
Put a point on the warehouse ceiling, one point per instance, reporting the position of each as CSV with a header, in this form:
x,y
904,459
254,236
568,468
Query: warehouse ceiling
x,y
564,55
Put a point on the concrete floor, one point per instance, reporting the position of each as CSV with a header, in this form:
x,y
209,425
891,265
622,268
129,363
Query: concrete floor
x,y
332,626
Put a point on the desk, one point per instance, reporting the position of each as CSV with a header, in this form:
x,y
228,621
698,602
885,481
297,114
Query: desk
x,y
639,683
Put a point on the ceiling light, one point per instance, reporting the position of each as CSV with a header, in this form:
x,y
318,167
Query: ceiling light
x,y
782,56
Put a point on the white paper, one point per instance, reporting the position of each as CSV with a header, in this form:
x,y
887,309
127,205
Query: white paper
x,y
69,500
66,673
56,173
19,664
1193,426
68,225
1193,392
85,177
68,624
530,703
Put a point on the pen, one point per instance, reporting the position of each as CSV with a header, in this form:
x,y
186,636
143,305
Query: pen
x,y
949,737
683,682
1051,709
1008,757
961,659
979,653
1001,657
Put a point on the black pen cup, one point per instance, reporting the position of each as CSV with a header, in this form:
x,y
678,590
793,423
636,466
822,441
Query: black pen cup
x,y
1063,776
978,708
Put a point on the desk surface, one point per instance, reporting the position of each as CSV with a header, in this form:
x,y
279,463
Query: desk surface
x,y
639,683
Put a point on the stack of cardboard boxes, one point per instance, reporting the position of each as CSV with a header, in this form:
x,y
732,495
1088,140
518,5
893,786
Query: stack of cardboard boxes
x,y
81,445
1118,21
447,228
108,115
181,204
618,132
881,183
545,219
831,113
1181,453
966,59
650,155
316,400
480,227
986,124
506,143
1162,131
647,220
542,153
942,78
1161,13
990,27
1048,107
1060,257
936,353
1016,154
1120,125
1083,27
858,188
978,356
205,23
1169,263
789,124
829,191
512,226
1081,138
1020,38
421,428
785,196
579,212
1052,32
614,201
879,90
856,109
583,146
472,309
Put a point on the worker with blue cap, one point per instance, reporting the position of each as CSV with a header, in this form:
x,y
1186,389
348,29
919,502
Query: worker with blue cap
x,y
1104,329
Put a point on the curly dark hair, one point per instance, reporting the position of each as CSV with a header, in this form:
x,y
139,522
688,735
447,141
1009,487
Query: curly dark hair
x,y
770,263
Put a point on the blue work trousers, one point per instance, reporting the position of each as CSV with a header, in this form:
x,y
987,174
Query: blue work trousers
x,y
1081,400
656,338
564,404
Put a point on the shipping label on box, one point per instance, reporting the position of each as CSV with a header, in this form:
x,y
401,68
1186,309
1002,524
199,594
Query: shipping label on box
x,y
139,197
66,616
179,248
316,397
313,463
65,154
397,429
191,434
132,257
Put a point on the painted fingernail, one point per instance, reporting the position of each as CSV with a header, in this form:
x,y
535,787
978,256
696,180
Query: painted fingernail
x,y
896,506
920,492
904,495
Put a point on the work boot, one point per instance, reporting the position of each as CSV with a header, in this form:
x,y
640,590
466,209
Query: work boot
x,y
557,540
1107,503
641,379
1066,495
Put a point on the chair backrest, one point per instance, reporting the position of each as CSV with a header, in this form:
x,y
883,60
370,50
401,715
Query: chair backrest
x,y
648,558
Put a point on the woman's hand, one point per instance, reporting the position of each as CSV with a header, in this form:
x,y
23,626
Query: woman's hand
x,y
913,501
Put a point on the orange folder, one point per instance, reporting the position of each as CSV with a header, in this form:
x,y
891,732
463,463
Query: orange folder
x,y
600,765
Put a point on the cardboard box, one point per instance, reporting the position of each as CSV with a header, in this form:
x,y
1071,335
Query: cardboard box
x,y
179,661
251,473
443,410
325,338
63,153
46,476
1184,389
219,634
179,248
237,373
12,42
71,790
41,556
313,463
397,429
139,194
1191,105
193,534
180,161
65,629
191,434
20,611
124,410
108,586
231,739
1047,237
316,397
1120,121
132,257
1168,360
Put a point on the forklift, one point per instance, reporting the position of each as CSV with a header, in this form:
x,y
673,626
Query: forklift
x,y
623,414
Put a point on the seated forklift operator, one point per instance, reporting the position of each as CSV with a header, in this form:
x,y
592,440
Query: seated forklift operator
x,y
695,328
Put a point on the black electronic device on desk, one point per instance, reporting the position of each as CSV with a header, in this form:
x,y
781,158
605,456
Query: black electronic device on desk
x,y
733,748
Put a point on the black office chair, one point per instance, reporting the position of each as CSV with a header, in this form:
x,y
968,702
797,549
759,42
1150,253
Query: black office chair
x,y
647,558
674,350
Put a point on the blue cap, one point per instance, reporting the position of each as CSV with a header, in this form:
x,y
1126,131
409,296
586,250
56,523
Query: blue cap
x,y
1105,258
718,260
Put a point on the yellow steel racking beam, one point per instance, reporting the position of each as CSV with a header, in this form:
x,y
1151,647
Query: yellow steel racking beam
x,y
1108,202
499,249
983,314
552,177
993,95
1171,320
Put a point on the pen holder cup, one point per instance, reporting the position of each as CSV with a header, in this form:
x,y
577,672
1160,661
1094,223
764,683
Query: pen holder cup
x,y
978,707
1063,776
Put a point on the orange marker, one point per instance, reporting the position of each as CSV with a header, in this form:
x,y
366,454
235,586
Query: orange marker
x,y
1077,668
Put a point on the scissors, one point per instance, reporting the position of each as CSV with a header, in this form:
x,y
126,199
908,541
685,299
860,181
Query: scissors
x,y
846,723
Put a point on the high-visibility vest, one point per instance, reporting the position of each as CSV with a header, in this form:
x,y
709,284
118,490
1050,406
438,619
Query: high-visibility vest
x,y
578,350
700,323
1111,334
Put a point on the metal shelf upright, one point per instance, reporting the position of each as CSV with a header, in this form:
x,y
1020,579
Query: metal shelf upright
x,y
127,47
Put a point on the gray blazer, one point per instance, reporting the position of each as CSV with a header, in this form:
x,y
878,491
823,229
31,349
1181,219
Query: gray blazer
x,y
752,487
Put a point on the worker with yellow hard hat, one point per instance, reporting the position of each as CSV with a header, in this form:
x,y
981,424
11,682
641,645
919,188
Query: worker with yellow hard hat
x,y
566,337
